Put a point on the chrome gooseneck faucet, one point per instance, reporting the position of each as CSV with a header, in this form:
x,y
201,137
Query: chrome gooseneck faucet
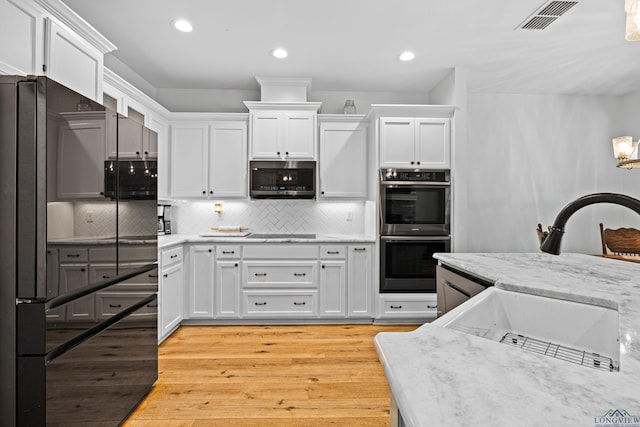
x,y
551,243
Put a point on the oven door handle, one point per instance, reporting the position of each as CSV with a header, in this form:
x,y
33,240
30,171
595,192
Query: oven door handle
x,y
408,238
414,184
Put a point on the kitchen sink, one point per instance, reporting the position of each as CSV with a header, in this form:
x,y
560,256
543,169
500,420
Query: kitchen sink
x,y
282,236
575,332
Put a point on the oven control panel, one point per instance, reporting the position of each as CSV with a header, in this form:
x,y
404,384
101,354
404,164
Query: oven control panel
x,y
390,175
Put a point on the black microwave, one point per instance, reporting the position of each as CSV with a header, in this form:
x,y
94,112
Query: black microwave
x,y
282,179
135,179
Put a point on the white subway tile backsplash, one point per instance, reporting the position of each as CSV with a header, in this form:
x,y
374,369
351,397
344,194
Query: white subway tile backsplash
x,y
271,216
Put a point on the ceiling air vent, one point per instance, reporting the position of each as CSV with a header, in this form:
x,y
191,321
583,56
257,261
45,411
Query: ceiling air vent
x,y
546,15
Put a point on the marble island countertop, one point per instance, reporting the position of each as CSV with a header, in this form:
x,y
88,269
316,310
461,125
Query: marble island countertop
x,y
176,239
443,377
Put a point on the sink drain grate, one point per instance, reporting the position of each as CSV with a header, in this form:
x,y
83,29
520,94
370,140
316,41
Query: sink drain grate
x,y
585,358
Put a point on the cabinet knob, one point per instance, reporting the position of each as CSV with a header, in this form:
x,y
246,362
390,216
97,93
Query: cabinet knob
x,y
204,192
210,250
323,266
235,265
137,153
286,153
418,163
322,192
165,275
82,269
278,153
210,191
412,162
146,153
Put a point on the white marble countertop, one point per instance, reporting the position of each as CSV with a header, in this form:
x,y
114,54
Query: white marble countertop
x,y
176,239
443,377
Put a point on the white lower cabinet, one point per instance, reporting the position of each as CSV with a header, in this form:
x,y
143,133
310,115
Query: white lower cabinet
x,y
333,281
201,281
227,282
280,303
279,281
360,289
407,306
170,291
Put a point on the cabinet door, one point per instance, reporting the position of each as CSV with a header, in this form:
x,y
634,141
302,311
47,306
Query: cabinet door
x,y
300,135
201,281
227,289
21,32
397,142
149,144
73,62
333,288
266,134
360,281
189,160
343,160
73,277
228,159
129,138
432,143
170,300
53,285
81,155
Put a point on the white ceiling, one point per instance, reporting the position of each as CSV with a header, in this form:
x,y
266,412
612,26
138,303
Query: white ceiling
x,y
353,44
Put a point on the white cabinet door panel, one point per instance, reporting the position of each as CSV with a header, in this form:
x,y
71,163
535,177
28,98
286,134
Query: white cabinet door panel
x,y
228,169
343,160
22,38
189,160
432,136
397,142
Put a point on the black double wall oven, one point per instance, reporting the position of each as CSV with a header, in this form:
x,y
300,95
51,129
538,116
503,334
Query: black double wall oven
x,y
415,214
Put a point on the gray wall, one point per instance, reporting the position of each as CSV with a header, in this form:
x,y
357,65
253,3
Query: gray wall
x,y
527,156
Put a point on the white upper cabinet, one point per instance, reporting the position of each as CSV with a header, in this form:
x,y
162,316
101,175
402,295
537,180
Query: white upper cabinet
x,y
407,142
209,159
72,61
47,38
81,155
228,159
283,131
189,160
414,136
343,159
21,32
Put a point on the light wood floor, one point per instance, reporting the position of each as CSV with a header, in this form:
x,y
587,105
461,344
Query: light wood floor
x,y
232,376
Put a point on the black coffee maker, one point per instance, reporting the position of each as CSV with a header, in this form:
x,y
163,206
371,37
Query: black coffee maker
x,y
164,219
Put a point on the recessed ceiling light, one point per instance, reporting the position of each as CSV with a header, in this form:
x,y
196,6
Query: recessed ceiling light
x,y
279,53
406,56
182,25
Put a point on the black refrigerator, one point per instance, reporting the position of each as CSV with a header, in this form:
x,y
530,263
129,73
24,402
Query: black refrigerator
x,y
78,263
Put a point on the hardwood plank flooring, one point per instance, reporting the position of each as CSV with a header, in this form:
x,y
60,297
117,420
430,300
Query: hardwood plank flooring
x,y
267,376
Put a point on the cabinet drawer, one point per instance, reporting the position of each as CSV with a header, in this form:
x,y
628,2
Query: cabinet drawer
x,y
299,273
262,251
333,252
408,307
171,256
278,303
74,254
110,303
228,252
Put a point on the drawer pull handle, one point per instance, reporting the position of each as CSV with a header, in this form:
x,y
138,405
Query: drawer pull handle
x,y
260,274
165,275
115,305
299,274
73,255
396,307
228,252
173,256
260,303
432,306
359,249
106,277
153,276
82,269
333,252
299,303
